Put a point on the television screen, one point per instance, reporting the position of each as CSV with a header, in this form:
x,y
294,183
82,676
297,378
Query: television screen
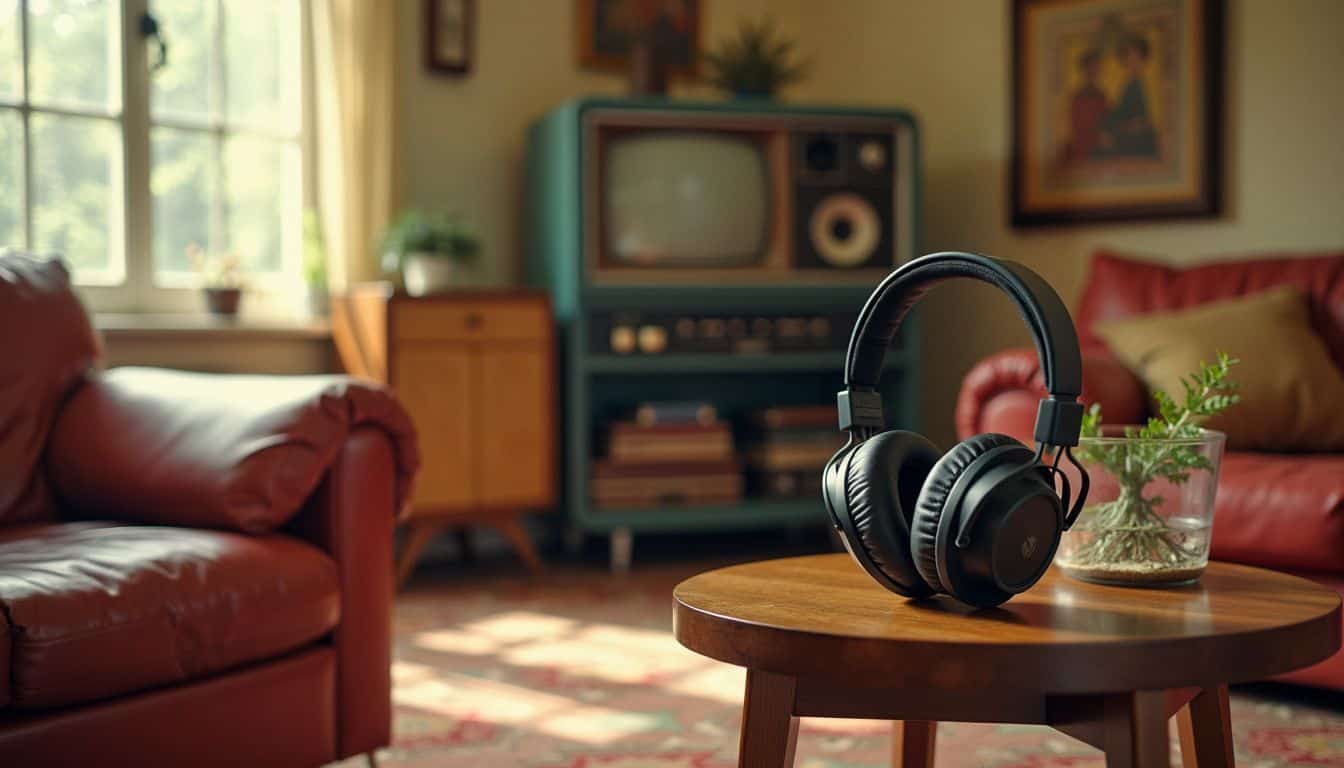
x,y
685,199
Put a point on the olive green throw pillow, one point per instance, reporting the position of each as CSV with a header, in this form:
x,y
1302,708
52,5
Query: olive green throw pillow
x,y
1292,396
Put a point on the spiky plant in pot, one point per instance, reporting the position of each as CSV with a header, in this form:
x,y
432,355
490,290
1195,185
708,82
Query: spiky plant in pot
x,y
756,63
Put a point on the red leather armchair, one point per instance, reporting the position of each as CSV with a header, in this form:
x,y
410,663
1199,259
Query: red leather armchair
x,y
1273,510
194,569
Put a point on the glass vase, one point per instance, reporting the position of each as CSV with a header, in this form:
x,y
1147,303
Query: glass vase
x,y
1149,514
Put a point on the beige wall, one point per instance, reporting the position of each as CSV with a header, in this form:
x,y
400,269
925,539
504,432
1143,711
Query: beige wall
x,y
463,137
949,62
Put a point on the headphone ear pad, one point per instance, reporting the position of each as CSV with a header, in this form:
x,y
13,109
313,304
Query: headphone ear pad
x,y
883,479
932,497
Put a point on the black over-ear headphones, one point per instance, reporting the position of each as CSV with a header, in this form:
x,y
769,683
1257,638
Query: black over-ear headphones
x,y
982,521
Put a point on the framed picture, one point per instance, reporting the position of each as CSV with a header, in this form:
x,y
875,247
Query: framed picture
x,y
1117,110
607,29
448,32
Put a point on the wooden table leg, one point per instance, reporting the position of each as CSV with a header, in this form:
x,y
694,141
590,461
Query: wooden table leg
x,y
513,531
1205,725
419,533
769,727
912,743
1134,730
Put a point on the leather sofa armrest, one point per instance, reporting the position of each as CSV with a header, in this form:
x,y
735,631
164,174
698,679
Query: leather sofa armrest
x,y
208,450
1001,393
351,518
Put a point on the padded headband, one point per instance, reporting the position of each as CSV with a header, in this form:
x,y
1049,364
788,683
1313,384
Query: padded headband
x,y
1048,319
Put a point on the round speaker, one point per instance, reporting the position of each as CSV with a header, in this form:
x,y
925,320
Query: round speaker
x,y
845,230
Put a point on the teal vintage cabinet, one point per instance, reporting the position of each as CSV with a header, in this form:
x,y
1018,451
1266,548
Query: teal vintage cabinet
x,y
712,252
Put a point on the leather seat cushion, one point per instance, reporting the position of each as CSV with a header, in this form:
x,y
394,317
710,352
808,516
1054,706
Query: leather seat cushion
x,y
1282,511
98,609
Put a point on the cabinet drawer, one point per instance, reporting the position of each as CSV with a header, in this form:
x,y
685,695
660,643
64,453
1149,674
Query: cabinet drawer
x,y
427,320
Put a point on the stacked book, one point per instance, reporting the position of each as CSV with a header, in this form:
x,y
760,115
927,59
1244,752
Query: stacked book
x,y
788,447
668,453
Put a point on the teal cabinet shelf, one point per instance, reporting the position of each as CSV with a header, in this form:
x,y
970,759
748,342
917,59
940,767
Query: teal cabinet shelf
x,y
709,363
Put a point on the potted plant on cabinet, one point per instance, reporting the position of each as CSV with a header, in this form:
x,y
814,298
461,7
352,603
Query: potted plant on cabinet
x,y
221,280
755,64
426,247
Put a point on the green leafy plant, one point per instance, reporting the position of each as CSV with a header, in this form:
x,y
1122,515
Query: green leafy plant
x,y
1129,528
314,253
433,233
756,62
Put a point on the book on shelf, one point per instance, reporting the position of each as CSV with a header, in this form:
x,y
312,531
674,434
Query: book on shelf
x,y
795,416
676,412
606,469
629,442
784,484
789,456
798,436
617,484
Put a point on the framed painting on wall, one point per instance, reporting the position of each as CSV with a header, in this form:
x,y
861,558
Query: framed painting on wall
x,y
448,35
1117,108
607,30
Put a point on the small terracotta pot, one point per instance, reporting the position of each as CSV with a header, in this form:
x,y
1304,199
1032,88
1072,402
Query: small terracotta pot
x,y
223,301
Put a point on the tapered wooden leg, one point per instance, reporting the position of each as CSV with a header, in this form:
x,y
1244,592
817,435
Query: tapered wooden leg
x,y
912,743
1205,725
769,728
513,531
419,534
1134,730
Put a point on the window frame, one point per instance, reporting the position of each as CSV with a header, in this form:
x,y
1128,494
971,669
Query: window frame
x,y
139,290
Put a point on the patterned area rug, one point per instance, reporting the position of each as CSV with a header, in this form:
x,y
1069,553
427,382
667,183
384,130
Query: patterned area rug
x,y
580,671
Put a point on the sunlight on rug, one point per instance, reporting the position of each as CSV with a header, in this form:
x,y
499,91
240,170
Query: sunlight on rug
x,y
581,671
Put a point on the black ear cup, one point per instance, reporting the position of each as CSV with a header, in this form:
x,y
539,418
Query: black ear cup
x,y
933,497
883,477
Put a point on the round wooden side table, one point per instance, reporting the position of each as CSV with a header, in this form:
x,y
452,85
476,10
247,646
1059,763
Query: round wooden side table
x,y
1107,665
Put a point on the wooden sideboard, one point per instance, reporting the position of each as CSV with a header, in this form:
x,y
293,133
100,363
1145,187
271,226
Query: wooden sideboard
x,y
476,372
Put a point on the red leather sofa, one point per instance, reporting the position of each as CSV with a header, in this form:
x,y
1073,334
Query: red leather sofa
x,y
194,569
1274,510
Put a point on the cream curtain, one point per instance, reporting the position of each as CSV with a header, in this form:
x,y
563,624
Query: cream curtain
x,y
355,61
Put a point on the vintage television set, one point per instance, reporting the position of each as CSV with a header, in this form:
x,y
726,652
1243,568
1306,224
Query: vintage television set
x,y
702,250
669,193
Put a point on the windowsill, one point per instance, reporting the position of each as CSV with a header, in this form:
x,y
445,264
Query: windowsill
x,y
126,325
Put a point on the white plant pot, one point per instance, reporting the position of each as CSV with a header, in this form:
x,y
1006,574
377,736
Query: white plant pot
x,y
426,273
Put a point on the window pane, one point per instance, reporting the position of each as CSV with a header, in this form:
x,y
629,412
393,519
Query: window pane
x,y
74,56
11,52
262,63
184,88
183,184
264,208
77,194
11,178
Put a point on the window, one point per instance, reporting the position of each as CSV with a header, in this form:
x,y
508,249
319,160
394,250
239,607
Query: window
x,y
118,153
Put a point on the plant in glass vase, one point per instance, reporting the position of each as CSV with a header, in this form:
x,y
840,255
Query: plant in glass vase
x,y
1153,525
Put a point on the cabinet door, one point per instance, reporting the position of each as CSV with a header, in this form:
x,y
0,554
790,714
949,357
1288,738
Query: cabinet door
x,y
436,385
515,425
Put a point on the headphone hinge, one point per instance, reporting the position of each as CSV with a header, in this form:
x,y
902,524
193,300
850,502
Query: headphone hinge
x,y
1058,422
859,409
